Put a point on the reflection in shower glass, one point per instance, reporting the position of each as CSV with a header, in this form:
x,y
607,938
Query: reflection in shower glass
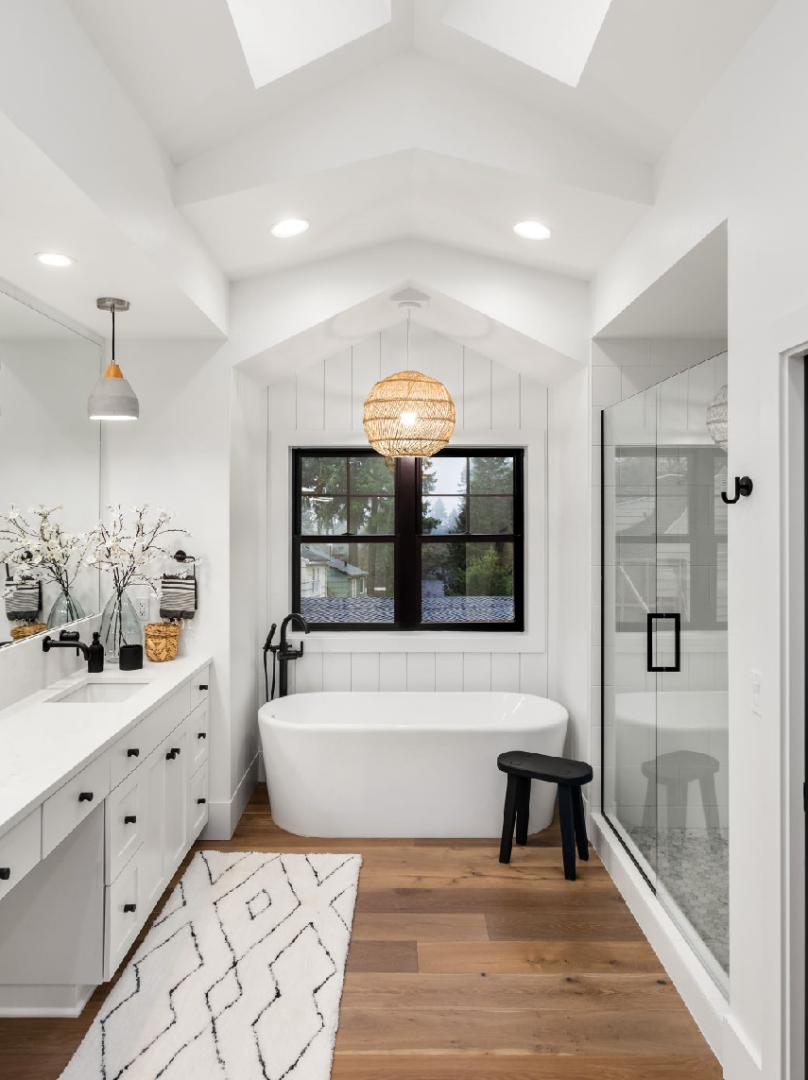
x,y
665,728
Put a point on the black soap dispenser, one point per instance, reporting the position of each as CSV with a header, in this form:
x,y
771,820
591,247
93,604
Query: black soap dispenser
x,y
95,657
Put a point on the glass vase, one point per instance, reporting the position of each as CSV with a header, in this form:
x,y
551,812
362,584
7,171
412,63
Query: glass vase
x,y
119,626
66,609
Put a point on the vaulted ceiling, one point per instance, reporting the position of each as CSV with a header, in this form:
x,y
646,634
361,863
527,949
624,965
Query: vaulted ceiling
x,y
158,141
442,120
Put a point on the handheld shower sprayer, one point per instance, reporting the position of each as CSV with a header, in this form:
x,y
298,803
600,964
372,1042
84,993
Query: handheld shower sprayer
x,y
268,647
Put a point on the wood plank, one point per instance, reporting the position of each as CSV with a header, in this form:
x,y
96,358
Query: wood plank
x,y
426,991
382,927
524,957
535,1031
579,926
509,1066
383,956
552,896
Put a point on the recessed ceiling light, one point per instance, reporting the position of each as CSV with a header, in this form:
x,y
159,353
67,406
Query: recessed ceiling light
x,y
532,230
289,227
53,258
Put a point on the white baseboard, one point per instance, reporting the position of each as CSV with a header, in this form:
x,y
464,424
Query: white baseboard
x,y
740,1060
706,1003
224,816
26,1001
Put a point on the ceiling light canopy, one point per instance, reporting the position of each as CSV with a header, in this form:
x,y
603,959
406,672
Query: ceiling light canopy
x,y
289,227
112,397
54,258
553,36
532,230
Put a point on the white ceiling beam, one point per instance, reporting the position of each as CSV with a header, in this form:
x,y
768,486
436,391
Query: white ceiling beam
x,y
408,103
531,320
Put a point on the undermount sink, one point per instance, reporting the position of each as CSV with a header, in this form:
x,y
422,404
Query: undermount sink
x,y
99,693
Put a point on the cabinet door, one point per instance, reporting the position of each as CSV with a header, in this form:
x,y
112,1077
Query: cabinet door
x,y
198,804
176,797
153,859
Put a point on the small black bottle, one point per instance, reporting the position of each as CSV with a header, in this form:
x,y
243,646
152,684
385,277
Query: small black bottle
x,y
95,660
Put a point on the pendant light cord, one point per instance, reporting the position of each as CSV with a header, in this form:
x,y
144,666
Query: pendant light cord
x,y
409,312
113,335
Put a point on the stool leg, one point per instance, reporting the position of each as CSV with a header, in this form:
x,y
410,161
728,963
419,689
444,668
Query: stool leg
x,y
522,809
508,821
579,815
709,801
565,813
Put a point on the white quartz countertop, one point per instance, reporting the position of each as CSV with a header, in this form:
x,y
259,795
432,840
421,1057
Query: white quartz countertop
x,y
44,743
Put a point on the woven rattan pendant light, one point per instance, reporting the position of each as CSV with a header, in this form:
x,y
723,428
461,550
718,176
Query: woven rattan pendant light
x,y
408,414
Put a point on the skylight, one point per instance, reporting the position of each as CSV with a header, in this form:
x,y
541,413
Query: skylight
x,y
280,36
553,36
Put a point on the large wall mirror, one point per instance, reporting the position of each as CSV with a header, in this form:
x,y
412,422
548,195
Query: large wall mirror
x,y
49,472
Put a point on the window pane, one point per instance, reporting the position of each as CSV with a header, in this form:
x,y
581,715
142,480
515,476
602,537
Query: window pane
x,y
443,514
467,583
324,475
347,583
443,475
373,516
491,476
494,515
323,516
371,476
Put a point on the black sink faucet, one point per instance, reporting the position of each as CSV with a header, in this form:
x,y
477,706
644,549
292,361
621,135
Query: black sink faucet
x,y
288,652
69,639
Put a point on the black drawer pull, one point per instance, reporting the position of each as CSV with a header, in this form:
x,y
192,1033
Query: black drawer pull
x,y
175,750
203,686
170,755
201,801
130,819
129,908
133,753
86,796
5,873
202,735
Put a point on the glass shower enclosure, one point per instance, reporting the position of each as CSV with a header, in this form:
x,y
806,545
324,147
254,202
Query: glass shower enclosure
x,y
664,647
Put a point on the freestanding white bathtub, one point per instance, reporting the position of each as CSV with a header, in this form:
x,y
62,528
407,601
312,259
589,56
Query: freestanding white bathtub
x,y
402,764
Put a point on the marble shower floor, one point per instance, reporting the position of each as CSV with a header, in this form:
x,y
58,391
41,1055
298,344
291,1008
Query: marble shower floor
x,y
693,866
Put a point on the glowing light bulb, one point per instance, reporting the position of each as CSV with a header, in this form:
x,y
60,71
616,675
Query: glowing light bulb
x,y
408,419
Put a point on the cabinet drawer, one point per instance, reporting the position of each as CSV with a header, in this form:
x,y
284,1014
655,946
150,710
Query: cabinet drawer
x,y
130,750
20,850
125,824
71,804
200,687
199,736
198,806
168,716
123,916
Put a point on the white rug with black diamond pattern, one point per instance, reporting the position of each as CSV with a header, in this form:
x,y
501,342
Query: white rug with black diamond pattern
x,y
239,978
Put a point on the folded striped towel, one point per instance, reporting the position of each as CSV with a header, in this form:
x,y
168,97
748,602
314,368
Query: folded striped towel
x,y
177,597
23,600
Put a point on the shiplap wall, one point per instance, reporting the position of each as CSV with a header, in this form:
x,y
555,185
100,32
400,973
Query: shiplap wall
x,y
489,397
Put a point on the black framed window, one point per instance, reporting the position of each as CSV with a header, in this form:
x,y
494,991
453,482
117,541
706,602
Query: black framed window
x,y
416,544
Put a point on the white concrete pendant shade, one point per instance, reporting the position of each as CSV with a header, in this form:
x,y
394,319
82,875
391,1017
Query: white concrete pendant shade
x,y
113,398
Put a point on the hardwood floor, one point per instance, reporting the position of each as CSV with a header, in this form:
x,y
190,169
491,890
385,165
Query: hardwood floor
x,y
463,969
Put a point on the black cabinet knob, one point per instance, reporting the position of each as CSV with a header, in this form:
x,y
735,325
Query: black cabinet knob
x,y
133,753
203,686
201,801
175,750
86,796
129,907
170,755
202,735
5,873
130,819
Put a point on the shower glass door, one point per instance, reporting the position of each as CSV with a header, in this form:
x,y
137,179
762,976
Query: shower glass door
x,y
664,649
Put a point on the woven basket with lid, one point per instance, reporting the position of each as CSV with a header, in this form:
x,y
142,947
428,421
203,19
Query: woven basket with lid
x,y
162,641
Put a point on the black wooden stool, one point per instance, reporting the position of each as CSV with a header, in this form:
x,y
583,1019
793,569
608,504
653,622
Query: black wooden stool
x,y
522,767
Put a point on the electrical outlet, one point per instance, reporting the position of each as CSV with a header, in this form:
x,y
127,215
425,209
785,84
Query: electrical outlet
x,y
142,608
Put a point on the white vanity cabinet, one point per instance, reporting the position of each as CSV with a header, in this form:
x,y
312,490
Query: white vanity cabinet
x,y
150,787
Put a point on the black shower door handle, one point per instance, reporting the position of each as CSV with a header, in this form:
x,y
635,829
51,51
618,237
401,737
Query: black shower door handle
x,y
677,640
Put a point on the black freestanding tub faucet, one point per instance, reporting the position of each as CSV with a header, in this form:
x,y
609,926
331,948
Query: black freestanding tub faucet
x,y
287,652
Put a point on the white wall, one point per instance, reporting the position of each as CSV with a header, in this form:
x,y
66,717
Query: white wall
x,y
741,158
493,402
178,456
